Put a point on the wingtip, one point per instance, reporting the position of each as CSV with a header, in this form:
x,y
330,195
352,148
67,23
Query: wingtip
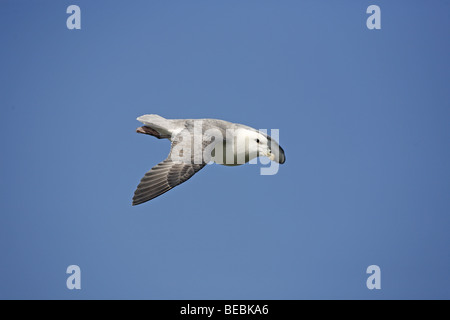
x,y
135,203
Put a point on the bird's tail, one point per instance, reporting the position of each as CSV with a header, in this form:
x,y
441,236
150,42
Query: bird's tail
x,y
163,126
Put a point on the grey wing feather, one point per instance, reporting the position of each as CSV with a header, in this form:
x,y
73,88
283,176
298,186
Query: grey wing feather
x,y
163,177
168,174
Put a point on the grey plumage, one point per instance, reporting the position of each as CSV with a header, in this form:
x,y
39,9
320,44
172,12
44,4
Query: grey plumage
x,y
164,176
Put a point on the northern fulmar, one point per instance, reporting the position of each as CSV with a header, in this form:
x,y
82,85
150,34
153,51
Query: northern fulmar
x,y
195,143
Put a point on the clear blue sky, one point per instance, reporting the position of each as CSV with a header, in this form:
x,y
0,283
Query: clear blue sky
x,y
363,118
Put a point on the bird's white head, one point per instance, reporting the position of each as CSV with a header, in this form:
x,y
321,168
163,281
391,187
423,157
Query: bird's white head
x,y
258,144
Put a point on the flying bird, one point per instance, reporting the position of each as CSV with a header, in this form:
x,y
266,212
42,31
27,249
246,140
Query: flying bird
x,y
195,143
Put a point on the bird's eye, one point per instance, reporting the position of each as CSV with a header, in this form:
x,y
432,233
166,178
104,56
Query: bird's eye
x,y
257,140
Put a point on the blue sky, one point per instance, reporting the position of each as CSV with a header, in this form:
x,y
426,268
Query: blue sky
x,y
363,118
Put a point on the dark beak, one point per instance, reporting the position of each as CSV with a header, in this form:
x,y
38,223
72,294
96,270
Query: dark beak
x,y
281,156
278,152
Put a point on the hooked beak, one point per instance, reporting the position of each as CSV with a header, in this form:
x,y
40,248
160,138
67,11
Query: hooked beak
x,y
277,154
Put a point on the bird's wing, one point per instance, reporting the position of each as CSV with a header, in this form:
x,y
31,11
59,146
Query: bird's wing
x,y
171,172
163,177
175,169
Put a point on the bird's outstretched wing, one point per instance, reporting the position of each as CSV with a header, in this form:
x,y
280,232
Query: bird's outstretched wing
x,y
174,170
163,177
